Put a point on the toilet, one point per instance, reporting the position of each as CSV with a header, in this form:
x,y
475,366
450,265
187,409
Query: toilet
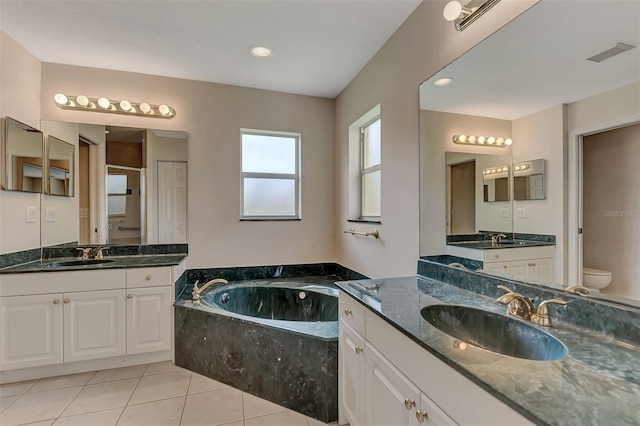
x,y
595,279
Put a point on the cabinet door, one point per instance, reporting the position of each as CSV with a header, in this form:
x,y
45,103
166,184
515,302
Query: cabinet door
x,y
391,399
351,376
432,415
30,331
517,268
94,325
148,319
542,270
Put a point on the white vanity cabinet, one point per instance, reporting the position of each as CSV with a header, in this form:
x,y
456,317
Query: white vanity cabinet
x,y
403,383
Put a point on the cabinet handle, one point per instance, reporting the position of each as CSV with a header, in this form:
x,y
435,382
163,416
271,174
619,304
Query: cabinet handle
x,y
148,277
65,301
358,350
421,416
347,311
129,296
533,264
505,267
497,256
409,403
56,301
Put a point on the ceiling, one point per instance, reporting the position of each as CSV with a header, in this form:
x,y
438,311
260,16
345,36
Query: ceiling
x,y
318,45
539,60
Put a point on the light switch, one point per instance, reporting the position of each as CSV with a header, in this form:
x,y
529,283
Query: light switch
x,y
504,212
31,214
50,215
522,212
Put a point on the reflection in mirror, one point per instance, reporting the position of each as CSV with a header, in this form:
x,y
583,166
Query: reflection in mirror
x,y
495,181
60,167
562,94
125,206
22,150
528,180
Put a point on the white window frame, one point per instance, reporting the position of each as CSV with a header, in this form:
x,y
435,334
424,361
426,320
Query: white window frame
x,y
367,170
295,176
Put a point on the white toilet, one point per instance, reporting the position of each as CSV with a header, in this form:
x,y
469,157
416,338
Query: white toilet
x,y
595,279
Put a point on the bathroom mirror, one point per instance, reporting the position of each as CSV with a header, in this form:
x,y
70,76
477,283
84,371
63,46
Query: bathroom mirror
x,y
22,153
536,86
59,166
528,180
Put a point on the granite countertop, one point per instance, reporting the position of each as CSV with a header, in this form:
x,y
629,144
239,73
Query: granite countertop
x,y
114,262
489,245
598,383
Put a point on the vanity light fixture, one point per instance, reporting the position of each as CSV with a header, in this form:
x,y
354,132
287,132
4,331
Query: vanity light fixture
x,y
521,166
102,104
495,170
464,15
481,140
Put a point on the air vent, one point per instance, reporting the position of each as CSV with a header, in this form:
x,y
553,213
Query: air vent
x,y
609,53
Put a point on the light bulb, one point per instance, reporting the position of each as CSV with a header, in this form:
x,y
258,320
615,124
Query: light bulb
x,y
491,140
500,141
462,138
144,107
104,103
164,110
60,99
452,10
481,139
82,100
471,139
125,105
508,141
260,51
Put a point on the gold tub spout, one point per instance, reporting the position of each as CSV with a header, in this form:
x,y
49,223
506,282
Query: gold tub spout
x,y
195,294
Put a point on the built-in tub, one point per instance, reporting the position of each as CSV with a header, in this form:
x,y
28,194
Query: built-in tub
x,y
276,339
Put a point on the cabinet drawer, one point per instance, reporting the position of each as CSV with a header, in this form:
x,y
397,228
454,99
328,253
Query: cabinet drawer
x,y
495,256
148,277
61,282
352,313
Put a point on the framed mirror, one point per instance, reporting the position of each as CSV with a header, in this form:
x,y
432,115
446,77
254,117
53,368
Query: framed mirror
x,y
22,157
60,167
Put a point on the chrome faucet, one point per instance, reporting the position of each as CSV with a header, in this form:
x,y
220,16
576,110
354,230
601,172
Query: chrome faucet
x,y
521,307
497,238
195,294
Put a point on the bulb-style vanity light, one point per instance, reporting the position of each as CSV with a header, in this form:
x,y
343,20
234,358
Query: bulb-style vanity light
x,y
481,140
102,104
464,13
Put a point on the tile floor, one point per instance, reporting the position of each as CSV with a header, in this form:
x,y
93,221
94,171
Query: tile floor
x,y
153,394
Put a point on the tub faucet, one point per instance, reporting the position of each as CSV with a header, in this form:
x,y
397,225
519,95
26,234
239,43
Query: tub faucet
x,y
195,294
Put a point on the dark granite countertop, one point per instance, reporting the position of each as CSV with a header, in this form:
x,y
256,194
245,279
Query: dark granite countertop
x,y
598,383
507,244
114,262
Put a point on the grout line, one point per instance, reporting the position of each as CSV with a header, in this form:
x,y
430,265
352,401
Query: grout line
x,y
185,399
131,396
73,399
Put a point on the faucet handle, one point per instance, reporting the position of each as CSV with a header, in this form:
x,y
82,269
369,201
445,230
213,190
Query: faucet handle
x,y
505,288
541,317
85,251
577,289
99,252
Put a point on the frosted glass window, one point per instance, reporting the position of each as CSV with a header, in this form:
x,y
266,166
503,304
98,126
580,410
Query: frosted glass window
x,y
116,184
117,205
270,175
268,154
371,144
371,194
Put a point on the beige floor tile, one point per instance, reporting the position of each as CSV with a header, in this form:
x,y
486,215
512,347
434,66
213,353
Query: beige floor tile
x,y
161,386
118,374
213,408
162,367
6,401
99,418
18,388
159,413
240,423
255,407
200,383
286,418
61,382
38,406
102,396
314,422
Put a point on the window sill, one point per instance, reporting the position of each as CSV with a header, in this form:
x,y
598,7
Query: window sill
x,y
364,221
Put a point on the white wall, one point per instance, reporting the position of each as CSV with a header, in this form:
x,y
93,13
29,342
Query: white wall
x,y
212,115
20,75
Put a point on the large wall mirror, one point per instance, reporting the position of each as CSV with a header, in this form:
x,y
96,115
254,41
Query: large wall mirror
x,y
533,81
22,154
131,187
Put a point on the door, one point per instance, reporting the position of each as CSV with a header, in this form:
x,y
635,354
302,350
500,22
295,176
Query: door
x,y
351,376
462,215
148,319
125,205
94,325
84,191
172,202
30,331
391,399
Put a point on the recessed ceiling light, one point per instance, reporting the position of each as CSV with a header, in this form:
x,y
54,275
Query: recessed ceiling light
x,y
443,81
260,51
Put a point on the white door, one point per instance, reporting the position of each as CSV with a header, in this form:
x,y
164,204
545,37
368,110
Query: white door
x,y
351,376
30,331
172,202
94,325
148,319
391,399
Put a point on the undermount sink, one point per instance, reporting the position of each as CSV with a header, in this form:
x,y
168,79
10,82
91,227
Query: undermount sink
x,y
489,244
494,332
78,262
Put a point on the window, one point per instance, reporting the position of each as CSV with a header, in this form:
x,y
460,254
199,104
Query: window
x,y
270,175
117,195
370,169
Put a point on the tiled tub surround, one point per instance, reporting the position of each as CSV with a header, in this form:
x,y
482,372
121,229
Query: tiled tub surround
x,y
292,363
597,384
